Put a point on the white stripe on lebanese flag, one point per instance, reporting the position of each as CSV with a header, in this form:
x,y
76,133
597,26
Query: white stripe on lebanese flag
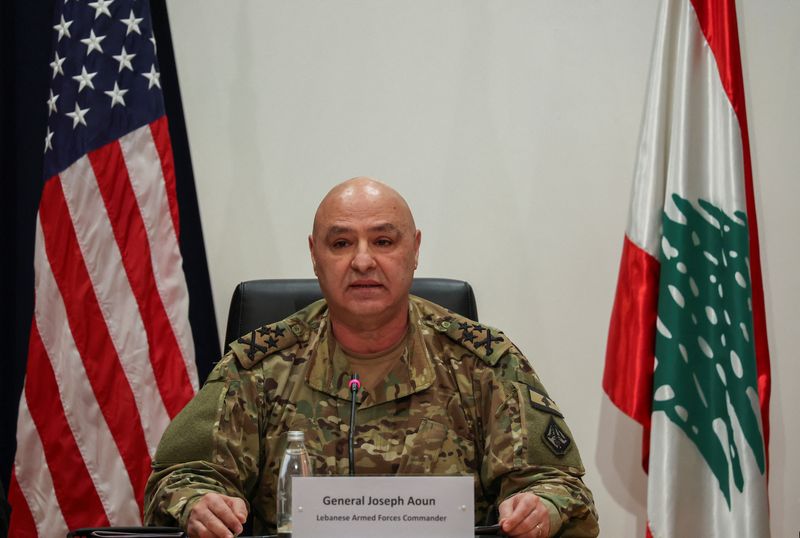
x,y
687,354
685,139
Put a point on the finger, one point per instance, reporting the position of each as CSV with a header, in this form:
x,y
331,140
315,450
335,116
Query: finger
x,y
515,509
195,529
505,509
221,511
542,516
526,528
530,526
215,516
238,507
536,525
522,514
216,528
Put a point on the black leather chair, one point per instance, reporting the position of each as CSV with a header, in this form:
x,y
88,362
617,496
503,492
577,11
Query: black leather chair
x,y
258,302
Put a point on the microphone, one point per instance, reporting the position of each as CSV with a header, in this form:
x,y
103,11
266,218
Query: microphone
x,y
354,385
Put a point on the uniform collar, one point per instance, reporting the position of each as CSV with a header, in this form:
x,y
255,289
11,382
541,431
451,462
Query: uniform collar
x,y
330,373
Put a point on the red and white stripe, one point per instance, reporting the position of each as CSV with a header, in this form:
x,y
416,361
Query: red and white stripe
x,y
111,358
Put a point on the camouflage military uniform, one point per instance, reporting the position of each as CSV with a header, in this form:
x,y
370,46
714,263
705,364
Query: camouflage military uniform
x,y
462,399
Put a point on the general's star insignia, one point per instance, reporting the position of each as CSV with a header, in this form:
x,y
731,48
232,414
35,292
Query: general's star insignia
x,y
253,346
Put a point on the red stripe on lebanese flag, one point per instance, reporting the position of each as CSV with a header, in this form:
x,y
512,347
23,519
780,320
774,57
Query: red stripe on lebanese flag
x,y
719,26
628,375
87,324
717,20
129,231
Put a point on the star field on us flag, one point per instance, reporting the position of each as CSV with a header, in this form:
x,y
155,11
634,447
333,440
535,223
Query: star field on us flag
x,y
105,79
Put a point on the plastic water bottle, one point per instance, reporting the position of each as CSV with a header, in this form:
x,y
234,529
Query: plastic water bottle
x,y
295,463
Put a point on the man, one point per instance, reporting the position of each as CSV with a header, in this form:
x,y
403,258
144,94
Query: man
x,y
442,394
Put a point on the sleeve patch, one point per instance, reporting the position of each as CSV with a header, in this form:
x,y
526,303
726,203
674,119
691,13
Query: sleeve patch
x,y
543,403
556,440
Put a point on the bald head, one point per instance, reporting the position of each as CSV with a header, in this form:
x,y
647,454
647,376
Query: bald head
x,y
359,194
364,248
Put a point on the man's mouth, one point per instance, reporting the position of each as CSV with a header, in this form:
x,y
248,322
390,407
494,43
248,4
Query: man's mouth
x,y
364,285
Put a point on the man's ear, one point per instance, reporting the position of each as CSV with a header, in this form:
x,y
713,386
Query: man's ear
x,y
311,251
417,241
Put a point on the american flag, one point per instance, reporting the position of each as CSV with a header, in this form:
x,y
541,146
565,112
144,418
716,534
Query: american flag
x,y
111,358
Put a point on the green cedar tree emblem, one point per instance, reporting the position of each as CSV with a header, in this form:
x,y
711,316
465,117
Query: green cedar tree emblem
x,y
705,359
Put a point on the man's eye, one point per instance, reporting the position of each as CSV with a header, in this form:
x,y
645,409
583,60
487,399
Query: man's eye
x,y
383,242
341,243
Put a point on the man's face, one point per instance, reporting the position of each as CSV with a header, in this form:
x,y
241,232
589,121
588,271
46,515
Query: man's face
x,y
364,249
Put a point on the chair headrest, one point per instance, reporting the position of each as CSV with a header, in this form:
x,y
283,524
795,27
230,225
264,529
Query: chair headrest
x,y
258,302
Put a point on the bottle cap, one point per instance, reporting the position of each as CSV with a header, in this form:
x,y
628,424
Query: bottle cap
x,y
295,436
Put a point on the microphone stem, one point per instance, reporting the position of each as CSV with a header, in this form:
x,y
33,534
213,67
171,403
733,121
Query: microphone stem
x,y
354,386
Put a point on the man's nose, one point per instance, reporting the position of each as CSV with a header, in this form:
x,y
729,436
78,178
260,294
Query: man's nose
x,y
363,260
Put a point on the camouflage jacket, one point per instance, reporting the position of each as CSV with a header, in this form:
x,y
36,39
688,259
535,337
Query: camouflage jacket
x,y
462,400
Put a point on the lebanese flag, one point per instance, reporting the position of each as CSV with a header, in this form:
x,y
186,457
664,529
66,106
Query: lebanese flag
x,y
687,352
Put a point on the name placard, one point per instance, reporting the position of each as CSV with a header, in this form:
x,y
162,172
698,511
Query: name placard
x,y
385,506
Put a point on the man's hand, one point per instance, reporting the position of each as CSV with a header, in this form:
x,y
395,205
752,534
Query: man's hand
x,y
524,515
216,516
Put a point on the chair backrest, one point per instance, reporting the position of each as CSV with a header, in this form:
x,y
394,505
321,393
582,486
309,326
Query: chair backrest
x,y
258,302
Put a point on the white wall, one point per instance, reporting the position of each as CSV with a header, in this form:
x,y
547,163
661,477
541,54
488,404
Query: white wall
x,y
511,128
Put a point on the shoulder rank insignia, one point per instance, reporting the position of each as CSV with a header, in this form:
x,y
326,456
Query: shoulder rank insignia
x,y
484,341
556,440
255,345
542,402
